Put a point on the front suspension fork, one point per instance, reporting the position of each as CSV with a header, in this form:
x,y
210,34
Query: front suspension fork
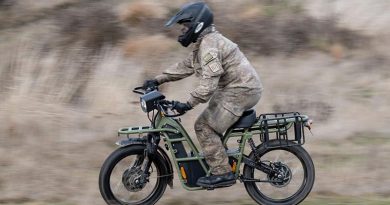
x,y
144,160
152,141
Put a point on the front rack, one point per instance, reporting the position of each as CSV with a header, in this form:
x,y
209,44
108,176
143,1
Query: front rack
x,y
127,131
276,127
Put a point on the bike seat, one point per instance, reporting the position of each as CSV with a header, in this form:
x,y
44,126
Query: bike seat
x,y
247,119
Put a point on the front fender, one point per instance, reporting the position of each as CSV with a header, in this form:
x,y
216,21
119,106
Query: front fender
x,y
130,141
169,166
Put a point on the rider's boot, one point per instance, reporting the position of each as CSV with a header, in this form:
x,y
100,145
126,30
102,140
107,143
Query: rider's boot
x,y
215,181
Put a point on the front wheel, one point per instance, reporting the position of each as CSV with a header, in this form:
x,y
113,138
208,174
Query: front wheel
x,y
123,179
292,180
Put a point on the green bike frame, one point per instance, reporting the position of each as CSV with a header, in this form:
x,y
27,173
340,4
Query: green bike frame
x,y
165,125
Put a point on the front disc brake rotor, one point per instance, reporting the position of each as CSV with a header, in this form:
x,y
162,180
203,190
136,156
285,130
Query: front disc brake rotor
x,y
134,179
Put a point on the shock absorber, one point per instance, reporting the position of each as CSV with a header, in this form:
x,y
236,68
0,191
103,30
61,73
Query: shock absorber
x,y
252,144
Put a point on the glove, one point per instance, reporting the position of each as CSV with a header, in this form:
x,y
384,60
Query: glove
x,y
150,84
181,107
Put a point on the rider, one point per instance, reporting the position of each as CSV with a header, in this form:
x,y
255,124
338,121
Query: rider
x,y
227,80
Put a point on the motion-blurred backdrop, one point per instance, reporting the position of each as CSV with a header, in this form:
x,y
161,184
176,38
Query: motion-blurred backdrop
x,y
67,66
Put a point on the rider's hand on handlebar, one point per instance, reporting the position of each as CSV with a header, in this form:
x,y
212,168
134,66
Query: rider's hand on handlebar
x,y
181,107
150,84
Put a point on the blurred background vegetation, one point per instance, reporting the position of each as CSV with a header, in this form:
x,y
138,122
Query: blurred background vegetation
x,y
67,66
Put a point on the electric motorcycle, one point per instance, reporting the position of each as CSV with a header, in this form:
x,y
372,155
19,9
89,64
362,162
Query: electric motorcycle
x,y
277,171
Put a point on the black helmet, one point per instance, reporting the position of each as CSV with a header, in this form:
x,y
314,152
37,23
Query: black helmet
x,y
199,17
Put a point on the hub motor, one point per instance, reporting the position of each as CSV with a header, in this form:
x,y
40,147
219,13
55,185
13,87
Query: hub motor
x,y
134,179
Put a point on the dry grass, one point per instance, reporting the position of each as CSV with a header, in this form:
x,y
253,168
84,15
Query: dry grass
x,y
149,46
143,11
93,26
16,14
273,27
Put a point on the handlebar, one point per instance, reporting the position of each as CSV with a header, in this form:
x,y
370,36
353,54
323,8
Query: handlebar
x,y
162,105
142,91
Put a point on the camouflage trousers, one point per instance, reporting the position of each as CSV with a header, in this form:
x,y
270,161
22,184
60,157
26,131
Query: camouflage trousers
x,y
210,126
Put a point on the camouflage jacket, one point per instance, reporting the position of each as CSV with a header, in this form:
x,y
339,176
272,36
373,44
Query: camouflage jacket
x,y
221,67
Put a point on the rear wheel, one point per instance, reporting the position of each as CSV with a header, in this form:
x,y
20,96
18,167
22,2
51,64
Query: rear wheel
x,y
292,181
124,181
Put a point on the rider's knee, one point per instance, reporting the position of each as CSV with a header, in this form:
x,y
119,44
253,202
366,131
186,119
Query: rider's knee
x,y
199,125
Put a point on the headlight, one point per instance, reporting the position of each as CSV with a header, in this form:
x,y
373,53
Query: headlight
x,y
148,101
143,105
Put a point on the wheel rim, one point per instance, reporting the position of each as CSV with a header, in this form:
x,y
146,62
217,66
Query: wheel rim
x,y
293,182
130,193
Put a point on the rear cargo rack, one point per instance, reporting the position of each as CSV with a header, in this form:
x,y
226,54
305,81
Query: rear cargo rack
x,y
276,127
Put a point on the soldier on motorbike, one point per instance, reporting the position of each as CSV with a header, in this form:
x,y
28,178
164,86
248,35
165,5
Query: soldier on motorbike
x,y
227,81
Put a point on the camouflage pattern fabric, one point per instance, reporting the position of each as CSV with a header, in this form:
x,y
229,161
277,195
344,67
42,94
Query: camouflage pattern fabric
x,y
220,65
228,80
210,125
212,147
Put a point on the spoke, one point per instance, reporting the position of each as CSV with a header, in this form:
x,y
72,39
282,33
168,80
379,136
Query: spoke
x,y
118,186
133,197
128,198
277,157
148,189
288,189
288,161
296,169
295,185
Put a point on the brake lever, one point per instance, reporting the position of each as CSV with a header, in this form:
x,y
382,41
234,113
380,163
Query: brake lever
x,y
170,105
151,89
137,90
144,90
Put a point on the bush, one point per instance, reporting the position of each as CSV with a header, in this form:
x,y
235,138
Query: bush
x,y
6,4
146,17
93,26
282,28
140,11
317,110
151,47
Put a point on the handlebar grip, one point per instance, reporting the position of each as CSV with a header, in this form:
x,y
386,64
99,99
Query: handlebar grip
x,y
137,90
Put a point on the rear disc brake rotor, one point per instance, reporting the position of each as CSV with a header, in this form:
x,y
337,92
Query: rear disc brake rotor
x,y
281,177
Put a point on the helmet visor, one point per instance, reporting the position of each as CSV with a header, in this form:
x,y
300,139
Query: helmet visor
x,y
179,18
